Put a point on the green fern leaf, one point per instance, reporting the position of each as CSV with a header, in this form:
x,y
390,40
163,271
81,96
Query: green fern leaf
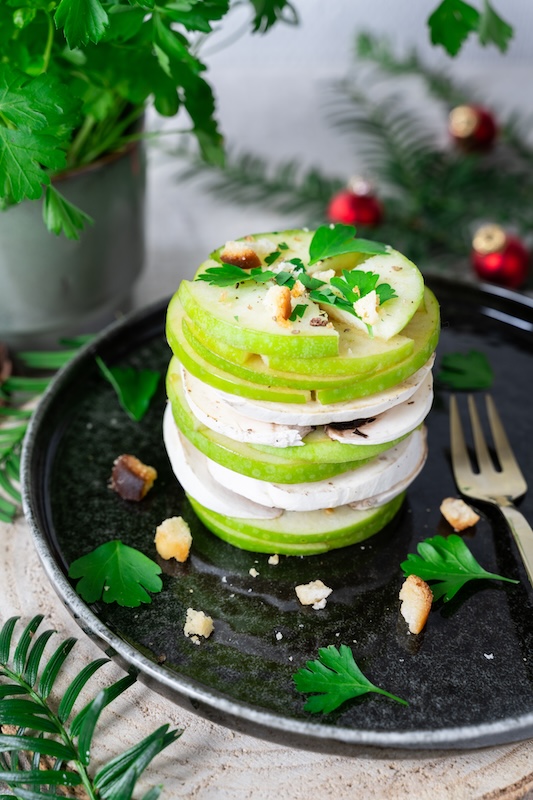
x,y
21,651
53,667
42,746
11,689
6,635
84,722
153,793
71,695
36,654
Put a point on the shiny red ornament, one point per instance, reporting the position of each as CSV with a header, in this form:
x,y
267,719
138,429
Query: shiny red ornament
x,y
472,127
500,258
356,205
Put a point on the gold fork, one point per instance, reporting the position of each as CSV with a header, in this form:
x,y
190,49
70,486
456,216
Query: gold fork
x,y
497,486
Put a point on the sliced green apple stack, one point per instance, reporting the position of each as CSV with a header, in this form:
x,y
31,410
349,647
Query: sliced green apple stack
x,y
298,388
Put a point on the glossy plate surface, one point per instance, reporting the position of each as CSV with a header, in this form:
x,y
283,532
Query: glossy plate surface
x,y
467,677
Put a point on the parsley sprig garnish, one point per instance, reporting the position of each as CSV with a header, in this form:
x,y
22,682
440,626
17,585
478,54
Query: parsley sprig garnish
x,y
449,561
230,275
134,388
334,678
116,573
338,240
351,287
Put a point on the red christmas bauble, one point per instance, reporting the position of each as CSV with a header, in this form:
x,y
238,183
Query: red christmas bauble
x,y
472,127
500,258
356,205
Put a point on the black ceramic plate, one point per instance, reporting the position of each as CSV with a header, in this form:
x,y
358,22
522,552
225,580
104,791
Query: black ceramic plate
x,y
467,677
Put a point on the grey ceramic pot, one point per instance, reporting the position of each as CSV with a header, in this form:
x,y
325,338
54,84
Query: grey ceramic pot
x,y
51,286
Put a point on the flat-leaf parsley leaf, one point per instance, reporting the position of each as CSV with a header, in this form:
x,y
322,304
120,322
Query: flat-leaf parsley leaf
x,y
116,573
466,371
336,240
448,560
134,388
337,678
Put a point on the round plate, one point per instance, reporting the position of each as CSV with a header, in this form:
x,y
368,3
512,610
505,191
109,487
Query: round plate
x,y
467,677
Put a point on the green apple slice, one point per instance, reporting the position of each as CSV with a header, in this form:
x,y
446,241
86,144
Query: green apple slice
x,y
239,317
358,354
207,372
423,329
405,278
254,370
245,458
300,532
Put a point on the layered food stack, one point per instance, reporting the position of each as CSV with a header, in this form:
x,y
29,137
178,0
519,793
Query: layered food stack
x,y
298,388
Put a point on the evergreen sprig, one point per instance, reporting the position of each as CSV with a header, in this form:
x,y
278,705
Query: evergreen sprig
x,y
43,748
16,393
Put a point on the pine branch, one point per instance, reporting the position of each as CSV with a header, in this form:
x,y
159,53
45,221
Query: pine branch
x,y
15,392
59,756
287,188
439,83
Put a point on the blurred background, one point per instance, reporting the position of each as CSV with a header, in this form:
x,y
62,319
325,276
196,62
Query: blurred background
x,y
276,99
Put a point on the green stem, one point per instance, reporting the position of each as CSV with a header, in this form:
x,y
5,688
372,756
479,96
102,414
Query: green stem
x,y
79,140
113,138
63,733
49,42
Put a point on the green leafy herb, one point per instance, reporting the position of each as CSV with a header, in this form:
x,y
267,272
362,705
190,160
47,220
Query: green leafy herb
x,y
272,257
448,560
453,21
48,751
336,240
60,216
353,285
297,312
337,678
134,388
283,246
466,371
116,573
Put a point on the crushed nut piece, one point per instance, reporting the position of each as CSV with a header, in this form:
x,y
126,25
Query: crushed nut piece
x,y
173,539
458,513
274,560
240,254
130,478
197,624
416,597
253,572
318,322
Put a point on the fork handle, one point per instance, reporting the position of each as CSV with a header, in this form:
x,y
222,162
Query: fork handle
x,y
523,535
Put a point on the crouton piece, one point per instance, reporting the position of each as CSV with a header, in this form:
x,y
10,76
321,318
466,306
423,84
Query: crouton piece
x,y
274,560
240,254
278,302
173,539
130,478
197,624
458,513
416,597
313,594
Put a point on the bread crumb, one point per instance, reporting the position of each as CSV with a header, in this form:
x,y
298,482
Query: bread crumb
x,y
416,597
197,624
240,254
313,594
298,289
458,513
253,572
130,478
173,539
274,560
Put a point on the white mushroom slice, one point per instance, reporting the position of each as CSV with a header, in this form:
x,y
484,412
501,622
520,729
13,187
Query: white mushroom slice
x,y
391,424
315,413
395,467
217,415
190,468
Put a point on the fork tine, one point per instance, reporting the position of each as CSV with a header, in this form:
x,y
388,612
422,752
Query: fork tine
x,y
460,457
482,452
504,452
